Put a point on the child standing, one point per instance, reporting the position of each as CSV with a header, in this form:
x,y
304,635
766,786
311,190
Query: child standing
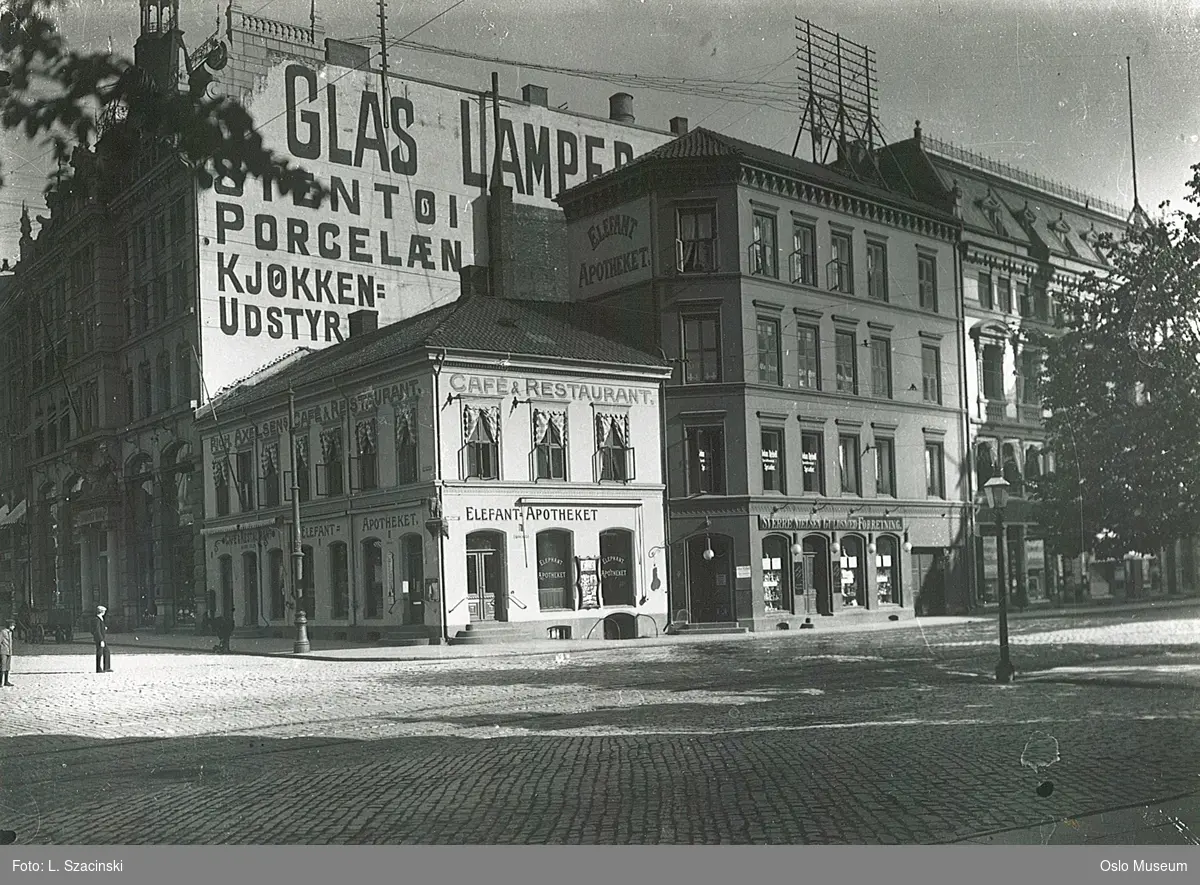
x,y
6,651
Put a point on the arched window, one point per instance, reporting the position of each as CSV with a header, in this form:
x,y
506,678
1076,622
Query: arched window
x,y
854,571
777,573
339,581
616,567
554,570
277,585
373,577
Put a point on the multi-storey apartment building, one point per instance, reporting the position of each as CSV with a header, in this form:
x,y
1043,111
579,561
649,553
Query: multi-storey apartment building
x,y
815,423
486,468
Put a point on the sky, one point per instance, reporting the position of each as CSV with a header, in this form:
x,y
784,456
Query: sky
x,y
1037,84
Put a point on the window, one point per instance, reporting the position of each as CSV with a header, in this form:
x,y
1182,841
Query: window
x,y
244,476
808,357
696,248
1005,287
373,577
848,465
221,480
765,248
616,567
993,371
701,349
985,291
614,455
885,467
146,388
841,267
368,459
706,460
935,480
812,461
1031,376
927,282
183,373
331,466
270,478
554,570
339,581
804,256
164,379
303,484
1033,462
931,374
549,444
881,368
776,561
877,271
481,436
985,461
769,369
277,586
773,478
1010,467
406,445
1024,304
1041,303
847,367
180,296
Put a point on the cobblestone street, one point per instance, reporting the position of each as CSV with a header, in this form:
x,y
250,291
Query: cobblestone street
x,y
885,736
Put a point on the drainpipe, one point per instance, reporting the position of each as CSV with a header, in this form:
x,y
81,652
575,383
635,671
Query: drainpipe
x,y
437,491
960,310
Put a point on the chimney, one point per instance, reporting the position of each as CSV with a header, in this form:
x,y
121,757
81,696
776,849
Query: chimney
x,y
620,107
475,280
363,321
917,132
535,95
679,126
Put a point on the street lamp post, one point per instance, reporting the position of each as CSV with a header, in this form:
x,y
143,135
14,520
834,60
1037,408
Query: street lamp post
x,y
301,645
996,490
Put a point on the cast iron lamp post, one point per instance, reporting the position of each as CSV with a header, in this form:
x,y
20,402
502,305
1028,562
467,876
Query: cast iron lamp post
x,y
996,490
301,645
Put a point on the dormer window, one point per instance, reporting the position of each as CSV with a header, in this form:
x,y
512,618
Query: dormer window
x,y
992,209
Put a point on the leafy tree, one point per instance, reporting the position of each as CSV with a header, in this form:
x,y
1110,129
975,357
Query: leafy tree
x,y
58,94
1123,385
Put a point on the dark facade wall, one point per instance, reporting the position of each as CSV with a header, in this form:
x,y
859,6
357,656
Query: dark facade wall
x,y
540,253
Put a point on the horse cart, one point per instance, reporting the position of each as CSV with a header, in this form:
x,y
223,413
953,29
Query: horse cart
x,y
37,625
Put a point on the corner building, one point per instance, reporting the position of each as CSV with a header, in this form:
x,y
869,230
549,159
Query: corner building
x,y
814,421
485,470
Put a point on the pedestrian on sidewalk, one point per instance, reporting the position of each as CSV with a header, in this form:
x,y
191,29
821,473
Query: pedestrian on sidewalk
x,y
6,651
100,635
225,630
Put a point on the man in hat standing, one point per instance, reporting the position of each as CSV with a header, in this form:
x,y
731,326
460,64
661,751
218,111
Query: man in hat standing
x,y
100,635
6,650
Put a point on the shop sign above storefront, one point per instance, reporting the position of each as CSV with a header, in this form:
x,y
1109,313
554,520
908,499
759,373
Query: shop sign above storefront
x,y
831,523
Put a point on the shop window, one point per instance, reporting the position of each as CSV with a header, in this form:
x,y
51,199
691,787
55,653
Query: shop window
x,y
368,459
481,442
927,282
847,364
935,477
808,357
696,245
705,460
549,444
769,364
841,266
854,570
849,466
776,566
614,455
277,586
812,461
887,571
881,368
331,467
765,248
270,475
554,570
804,254
339,581
773,461
616,567
407,465
373,577
701,349
885,467
877,282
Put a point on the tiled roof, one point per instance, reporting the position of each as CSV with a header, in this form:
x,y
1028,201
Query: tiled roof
x,y
480,324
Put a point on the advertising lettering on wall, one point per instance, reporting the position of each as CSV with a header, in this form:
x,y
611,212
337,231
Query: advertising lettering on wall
x,y
406,172
613,249
490,385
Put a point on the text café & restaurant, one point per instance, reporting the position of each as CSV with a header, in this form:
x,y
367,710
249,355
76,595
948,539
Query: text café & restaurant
x,y
480,471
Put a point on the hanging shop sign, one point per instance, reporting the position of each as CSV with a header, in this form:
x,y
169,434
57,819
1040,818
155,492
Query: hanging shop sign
x,y
831,523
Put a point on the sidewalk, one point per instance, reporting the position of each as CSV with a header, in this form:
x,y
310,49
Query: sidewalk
x,y
1076,611
334,650
1174,822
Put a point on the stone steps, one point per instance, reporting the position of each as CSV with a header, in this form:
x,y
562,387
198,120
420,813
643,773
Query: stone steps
x,y
707,628
405,637
487,633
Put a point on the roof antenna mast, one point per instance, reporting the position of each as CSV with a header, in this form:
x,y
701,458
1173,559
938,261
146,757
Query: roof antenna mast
x,y
1137,206
383,45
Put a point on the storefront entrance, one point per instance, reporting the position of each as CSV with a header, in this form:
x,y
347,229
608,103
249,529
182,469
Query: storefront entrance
x,y
818,591
249,590
710,580
929,576
486,596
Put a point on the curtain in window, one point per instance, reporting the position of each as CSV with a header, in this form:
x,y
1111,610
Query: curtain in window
x,y
406,424
331,445
364,435
270,459
470,420
490,415
616,425
543,421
